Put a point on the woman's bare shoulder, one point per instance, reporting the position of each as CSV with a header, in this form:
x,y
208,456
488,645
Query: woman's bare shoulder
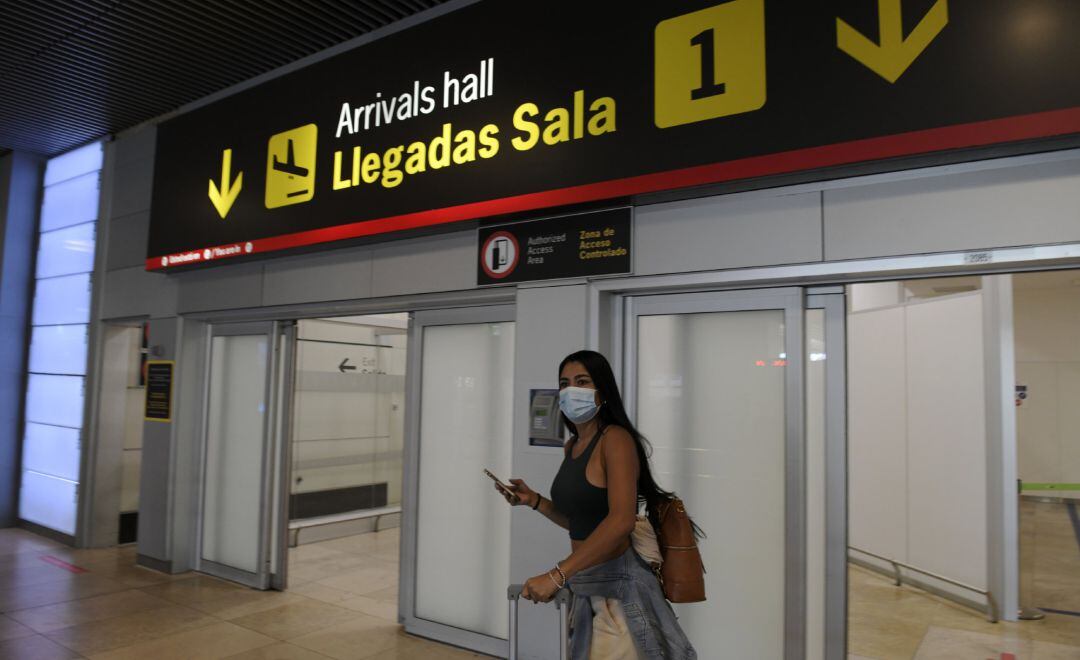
x,y
618,440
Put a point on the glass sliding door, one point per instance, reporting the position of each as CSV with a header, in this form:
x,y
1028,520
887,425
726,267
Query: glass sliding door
x,y
242,452
716,382
457,536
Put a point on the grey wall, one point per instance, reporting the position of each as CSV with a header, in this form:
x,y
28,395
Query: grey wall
x,y
20,194
1013,206
551,324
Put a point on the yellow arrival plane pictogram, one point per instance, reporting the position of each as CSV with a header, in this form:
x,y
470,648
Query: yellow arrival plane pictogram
x,y
290,166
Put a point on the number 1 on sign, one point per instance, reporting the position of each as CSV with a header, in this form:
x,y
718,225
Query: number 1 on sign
x,y
709,87
710,63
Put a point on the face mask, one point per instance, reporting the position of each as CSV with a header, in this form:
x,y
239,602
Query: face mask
x,y
578,403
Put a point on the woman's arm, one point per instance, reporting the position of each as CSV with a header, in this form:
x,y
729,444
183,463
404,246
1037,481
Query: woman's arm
x,y
528,497
621,468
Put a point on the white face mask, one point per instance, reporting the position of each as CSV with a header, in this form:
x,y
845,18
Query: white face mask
x,y
578,403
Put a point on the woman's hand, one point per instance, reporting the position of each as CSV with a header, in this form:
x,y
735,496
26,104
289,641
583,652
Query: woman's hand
x,y
540,588
522,493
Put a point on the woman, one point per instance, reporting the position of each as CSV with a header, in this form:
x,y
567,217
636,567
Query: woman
x,y
603,479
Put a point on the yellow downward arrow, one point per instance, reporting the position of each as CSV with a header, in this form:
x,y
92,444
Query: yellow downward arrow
x,y
223,199
892,57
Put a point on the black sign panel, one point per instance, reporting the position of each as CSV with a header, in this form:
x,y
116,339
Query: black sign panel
x,y
159,382
504,107
579,245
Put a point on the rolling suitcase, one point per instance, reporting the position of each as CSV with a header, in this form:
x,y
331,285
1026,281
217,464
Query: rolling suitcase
x,y
562,605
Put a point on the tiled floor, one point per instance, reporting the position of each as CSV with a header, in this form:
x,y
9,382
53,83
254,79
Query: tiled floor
x,y
56,602
342,603
888,622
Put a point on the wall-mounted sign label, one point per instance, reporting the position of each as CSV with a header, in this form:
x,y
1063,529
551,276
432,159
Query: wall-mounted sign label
x,y
579,245
504,107
159,382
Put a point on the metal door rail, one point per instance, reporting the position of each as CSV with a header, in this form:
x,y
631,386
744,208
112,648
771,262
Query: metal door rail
x,y
991,603
295,526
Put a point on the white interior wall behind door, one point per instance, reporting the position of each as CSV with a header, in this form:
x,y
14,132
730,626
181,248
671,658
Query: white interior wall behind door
x,y
877,432
917,439
947,438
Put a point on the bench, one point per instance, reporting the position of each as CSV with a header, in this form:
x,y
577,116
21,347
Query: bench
x,y
295,526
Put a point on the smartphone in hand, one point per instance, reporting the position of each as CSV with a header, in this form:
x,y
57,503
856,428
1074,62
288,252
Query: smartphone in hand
x,y
502,487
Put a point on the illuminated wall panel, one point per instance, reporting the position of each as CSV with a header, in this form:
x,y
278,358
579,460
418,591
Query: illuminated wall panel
x,y
56,384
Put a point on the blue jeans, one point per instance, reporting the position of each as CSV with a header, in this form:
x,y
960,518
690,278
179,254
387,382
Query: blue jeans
x,y
649,616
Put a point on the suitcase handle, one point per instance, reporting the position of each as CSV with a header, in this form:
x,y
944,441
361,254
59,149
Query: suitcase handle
x,y
562,604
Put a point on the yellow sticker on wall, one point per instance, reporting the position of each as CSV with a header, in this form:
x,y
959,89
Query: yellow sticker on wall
x,y
710,63
290,166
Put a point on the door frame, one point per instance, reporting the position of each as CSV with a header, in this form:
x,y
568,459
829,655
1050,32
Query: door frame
x,y
791,301
410,487
277,357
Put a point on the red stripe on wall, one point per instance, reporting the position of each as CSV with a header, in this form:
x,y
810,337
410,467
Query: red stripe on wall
x,y
1012,129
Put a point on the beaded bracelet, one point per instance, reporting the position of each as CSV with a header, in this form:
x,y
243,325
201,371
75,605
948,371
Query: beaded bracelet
x,y
561,574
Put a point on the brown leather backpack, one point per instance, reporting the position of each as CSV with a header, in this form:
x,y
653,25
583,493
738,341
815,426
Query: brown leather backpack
x,y
683,573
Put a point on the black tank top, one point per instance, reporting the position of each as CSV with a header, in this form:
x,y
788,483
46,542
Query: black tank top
x,y
583,504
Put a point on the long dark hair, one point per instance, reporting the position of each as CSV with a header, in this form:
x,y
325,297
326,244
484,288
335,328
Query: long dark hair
x,y
612,411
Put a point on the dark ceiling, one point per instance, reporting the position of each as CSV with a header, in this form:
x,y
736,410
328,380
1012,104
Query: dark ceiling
x,y
72,71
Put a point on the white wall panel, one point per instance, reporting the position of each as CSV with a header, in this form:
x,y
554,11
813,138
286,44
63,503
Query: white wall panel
x,y
70,202
135,188
1024,205
1037,431
134,292
221,287
337,275
877,434
62,300
1069,421
52,450
127,238
946,392
56,400
48,501
438,263
58,349
727,232
66,251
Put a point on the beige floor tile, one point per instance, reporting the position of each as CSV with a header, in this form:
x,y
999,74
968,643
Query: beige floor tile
x,y
361,637
421,649
325,593
33,571
949,644
220,640
279,651
196,589
364,581
34,647
132,575
390,594
242,603
86,610
382,609
315,571
1050,651
296,619
117,632
15,541
11,629
83,585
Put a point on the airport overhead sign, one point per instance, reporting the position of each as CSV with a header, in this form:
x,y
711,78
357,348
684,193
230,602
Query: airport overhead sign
x,y
508,107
